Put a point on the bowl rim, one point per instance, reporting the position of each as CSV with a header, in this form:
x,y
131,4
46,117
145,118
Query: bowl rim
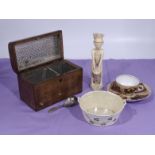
x,y
90,92
129,75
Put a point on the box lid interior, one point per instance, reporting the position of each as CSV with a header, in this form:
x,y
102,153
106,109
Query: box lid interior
x,y
34,51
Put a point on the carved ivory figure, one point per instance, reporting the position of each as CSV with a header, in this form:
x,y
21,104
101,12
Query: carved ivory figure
x,y
97,56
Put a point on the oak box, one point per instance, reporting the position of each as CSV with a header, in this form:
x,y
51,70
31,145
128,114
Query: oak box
x,y
44,77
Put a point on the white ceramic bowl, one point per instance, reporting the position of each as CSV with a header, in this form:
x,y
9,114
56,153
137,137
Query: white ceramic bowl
x,y
128,81
101,108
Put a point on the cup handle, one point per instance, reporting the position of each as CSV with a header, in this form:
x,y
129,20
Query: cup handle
x,y
140,88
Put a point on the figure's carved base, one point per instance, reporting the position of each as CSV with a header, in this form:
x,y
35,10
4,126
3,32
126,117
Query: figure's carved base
x,y
96,86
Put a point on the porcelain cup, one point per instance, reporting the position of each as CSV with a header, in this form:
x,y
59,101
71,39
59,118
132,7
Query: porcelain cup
x,y
128,83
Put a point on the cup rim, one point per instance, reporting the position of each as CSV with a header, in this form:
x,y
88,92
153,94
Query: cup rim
x,y
90,92
127,86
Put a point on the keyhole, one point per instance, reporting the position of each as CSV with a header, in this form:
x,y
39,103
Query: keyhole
x,y
60,80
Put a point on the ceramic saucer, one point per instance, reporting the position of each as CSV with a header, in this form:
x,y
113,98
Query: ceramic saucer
x,y
133,96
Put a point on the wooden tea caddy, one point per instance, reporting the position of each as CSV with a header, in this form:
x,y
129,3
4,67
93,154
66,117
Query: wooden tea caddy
x,y
44,77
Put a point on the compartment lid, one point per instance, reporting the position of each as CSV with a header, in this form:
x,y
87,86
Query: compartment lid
x,y
37,50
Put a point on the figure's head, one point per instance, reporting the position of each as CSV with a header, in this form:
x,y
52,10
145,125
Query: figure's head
x,y
98,40
98,45
98,37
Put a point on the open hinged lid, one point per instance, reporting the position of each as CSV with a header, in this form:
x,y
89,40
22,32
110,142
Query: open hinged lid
x,y
37,50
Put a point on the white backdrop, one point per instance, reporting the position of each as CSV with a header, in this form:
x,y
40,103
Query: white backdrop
x,y
124,39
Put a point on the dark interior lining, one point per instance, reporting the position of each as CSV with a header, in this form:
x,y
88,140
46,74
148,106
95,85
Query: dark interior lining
x,y
48,72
